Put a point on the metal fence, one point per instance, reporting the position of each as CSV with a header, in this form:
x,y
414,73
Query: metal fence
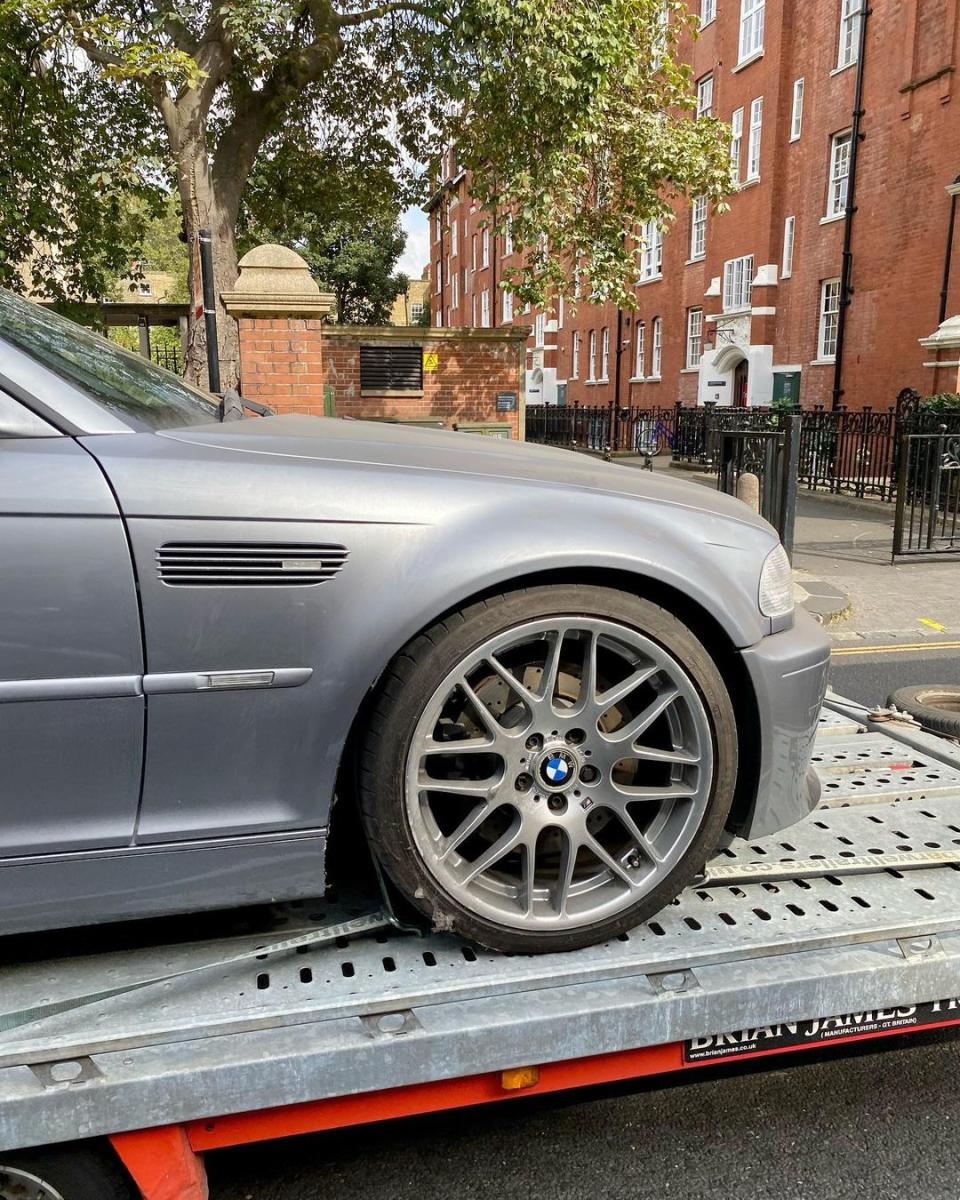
x,y
167,356
848,453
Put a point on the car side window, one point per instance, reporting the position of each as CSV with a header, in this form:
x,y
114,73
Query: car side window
x,y
16,421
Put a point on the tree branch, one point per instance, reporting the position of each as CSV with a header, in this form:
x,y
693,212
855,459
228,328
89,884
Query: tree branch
x,y
384,10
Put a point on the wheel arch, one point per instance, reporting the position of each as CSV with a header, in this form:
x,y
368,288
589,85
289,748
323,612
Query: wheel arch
x,y
700,620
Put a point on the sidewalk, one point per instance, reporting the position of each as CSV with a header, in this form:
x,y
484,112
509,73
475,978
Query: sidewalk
x,y
843,573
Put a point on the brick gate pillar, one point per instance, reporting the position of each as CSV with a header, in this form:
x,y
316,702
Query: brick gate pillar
x,y
945,346
279,309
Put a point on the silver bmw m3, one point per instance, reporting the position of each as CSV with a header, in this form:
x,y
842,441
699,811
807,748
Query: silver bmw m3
x,y
550,687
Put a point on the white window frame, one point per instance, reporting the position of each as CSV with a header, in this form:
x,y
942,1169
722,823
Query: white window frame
x,y
507,305
473,311
485,248
751,28
736,144
796,112
694,337
838,183
705,96
753,139
658,40
604,355
473,255
454,237
708,12
539,328
656,349
639,349
789,238
829,320
738,283
651,252
485,309
575,355
592,357
416,311
698,228
848,44
439,318
508,237
455,288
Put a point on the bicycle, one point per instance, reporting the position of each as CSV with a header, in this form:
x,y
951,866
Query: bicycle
x,y
653,437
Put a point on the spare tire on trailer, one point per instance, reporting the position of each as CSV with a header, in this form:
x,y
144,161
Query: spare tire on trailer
x,y
935,705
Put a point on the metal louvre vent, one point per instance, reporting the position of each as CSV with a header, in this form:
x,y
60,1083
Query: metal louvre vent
x,y
248,564
391,368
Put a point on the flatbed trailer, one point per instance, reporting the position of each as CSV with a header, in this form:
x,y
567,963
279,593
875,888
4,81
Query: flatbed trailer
x,y
844,927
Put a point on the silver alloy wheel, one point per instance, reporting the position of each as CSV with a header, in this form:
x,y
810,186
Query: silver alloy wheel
x,y
16,1184
559,773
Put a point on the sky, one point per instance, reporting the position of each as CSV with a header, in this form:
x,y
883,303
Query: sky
x,y
417,254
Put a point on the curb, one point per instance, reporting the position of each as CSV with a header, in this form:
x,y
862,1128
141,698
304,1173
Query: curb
x,y
827,604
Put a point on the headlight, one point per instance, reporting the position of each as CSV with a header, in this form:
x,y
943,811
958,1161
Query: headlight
x,y
776,584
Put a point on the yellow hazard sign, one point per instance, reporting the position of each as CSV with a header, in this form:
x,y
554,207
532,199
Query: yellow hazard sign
x,y
431,360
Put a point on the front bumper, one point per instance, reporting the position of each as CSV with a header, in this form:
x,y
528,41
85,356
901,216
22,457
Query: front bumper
x,y
789,675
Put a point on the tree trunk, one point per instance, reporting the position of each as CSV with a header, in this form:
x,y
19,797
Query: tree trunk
x,y
203,208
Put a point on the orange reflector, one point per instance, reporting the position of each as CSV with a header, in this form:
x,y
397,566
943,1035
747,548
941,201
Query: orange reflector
x,y
518,1078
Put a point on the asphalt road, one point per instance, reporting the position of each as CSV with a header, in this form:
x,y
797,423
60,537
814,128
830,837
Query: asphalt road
x,y
870,674
856,1123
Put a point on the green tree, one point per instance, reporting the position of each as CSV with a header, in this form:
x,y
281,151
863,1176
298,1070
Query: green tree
x,y
574,114
340,213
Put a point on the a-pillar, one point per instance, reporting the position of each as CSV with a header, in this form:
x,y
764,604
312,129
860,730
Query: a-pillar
x,y
280,311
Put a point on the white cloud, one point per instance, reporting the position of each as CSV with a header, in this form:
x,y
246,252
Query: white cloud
x,y
417,253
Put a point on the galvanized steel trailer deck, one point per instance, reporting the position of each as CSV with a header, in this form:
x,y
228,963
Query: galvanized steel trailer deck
x,y
856,909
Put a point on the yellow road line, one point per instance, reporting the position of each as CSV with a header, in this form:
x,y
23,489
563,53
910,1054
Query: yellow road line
x,y
894,649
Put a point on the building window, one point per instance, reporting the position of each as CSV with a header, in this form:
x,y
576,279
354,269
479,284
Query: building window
x,y
473,252
640,351
437,226
850,18
736,141
796,113
538,329
575,356
705,97
829,318
708,12
473,311
839,173
604,355
737,283
651,253
439,318
751,28
485,308
753,141
560,312
455,288
416,313
508,237
656,349
592,357
485,248
454,237
508,305
698,228
694,336
786,267
391,368
658,42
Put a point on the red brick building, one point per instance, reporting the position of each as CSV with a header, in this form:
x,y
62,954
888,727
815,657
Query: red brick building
x,y
749,305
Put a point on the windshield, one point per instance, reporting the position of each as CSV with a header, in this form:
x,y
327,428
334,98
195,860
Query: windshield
x,y
128,385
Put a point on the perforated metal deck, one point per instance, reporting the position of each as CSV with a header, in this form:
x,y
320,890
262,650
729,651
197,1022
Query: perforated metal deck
x,y
306,1025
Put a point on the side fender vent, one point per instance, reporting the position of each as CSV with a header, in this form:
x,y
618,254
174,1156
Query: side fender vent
x,y
248,564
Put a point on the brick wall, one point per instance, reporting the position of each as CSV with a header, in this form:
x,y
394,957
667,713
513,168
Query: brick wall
x,y
302,365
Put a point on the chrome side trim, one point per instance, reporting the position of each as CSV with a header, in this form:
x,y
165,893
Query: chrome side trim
x,y
92,687
210,681
101,687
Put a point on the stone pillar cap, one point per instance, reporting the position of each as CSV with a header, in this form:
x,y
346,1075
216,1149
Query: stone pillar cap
x,y
276,281
947,337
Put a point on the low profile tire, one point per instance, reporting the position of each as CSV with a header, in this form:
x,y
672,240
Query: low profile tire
x,y
548,768
935,705
84,1171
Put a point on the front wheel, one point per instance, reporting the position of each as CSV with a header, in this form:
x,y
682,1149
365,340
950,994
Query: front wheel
x,y
546,769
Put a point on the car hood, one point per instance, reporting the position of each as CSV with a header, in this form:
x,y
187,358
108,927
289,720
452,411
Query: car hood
x,y
430,451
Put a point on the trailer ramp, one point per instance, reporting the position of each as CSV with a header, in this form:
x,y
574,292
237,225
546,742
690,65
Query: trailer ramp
x,y
854,911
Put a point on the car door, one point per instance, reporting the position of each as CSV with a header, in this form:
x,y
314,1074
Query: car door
x,y
71,702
